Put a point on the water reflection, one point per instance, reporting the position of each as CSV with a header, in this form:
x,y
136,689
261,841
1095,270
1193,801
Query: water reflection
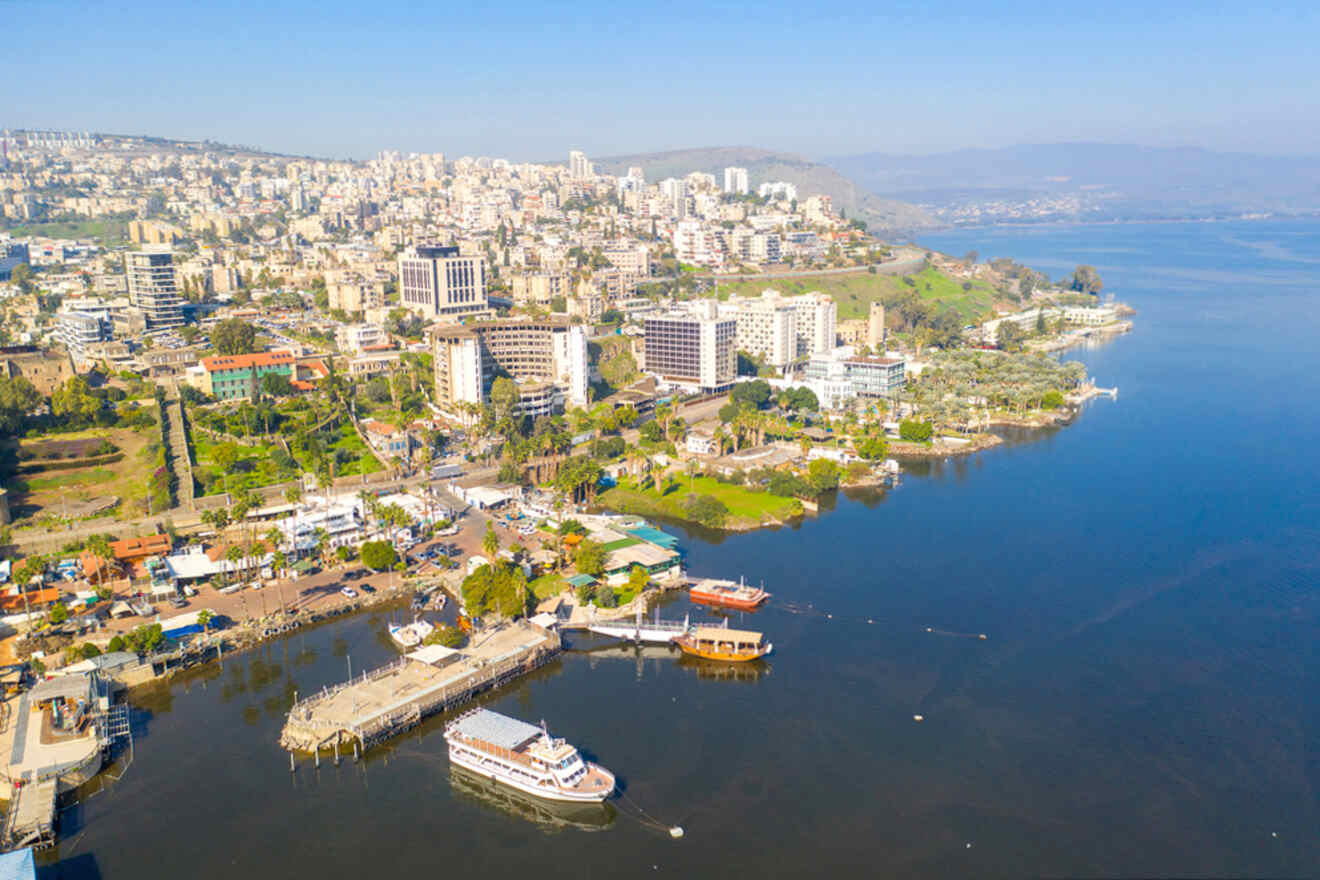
x,y
546,815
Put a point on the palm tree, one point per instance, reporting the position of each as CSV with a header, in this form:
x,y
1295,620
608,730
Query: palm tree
x,y
491,542
234,554
293,494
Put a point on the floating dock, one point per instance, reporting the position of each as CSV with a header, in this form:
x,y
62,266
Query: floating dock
x,y
385,702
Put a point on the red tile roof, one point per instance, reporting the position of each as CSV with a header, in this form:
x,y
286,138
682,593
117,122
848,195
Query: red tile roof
x,y
245,361
150,545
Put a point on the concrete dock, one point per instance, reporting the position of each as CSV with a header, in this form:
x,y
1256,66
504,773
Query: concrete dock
x,y
384,702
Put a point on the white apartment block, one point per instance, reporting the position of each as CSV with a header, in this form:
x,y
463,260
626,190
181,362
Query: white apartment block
x,y
778,189
696,243
354,338
468,359
735,181
579,166
435,282
783,329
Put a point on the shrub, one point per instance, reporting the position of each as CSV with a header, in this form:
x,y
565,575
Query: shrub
x,y
914,431
1053,399
584,593
448,636
705,509
605,596
116,644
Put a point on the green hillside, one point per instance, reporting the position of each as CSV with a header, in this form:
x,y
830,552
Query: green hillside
x,y
855,292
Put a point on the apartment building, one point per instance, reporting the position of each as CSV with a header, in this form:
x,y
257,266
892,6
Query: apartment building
x,y
83,328
437,282
355,338
783,329
352,293
538,288
469,358
693,349
236,377
735,181
152,289
839,377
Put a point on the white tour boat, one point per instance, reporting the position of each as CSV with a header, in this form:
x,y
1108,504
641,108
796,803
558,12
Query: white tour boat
x,y
411,635
525,757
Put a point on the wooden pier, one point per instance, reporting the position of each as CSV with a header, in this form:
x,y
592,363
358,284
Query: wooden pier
x,y
387,701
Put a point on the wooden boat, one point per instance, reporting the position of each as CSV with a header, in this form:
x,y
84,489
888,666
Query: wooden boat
x,y
727,594
719,643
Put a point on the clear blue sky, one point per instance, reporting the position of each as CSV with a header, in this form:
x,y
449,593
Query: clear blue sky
x,y
532,80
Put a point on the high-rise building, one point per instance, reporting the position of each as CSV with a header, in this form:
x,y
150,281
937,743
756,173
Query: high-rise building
x,y
579,166
695,349
435,282
675,191
735,181
152,289
532,353
764,325
83,328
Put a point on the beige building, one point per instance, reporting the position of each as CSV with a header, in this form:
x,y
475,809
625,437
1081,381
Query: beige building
x,y
538,289
468,358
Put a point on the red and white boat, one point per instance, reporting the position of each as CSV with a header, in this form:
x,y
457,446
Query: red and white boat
x,y
727,594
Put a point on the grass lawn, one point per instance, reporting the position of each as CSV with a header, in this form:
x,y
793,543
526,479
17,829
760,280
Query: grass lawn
x,y
65,480
746,506
547,586
108,231
854,292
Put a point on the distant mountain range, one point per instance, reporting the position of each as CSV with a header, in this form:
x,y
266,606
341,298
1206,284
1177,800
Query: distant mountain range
x,y
810,178
1093,181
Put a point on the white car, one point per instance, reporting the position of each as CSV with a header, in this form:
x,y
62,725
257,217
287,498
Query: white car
x,y
349,592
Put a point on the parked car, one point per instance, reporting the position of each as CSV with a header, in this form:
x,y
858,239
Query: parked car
x,y
349,592
368,588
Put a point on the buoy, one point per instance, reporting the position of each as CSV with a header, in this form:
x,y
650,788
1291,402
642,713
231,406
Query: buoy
x,y
676,831
1274,834
918,718
928,629
982,635
969,846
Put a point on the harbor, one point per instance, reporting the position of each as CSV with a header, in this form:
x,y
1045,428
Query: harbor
x,y
386,701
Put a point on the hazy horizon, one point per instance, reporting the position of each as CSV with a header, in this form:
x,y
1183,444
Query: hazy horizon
x,y
538,81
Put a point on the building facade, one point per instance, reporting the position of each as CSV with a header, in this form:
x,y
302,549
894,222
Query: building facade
x,y
238,377
697,350
152,288
735,181
436,282
469,359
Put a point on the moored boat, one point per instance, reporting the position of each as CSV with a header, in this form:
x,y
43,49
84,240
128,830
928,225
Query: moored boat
x,y
525,757
727,594
720,643
411,635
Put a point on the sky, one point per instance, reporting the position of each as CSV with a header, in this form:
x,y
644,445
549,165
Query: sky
x,y
531,80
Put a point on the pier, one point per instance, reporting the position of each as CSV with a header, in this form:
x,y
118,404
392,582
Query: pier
x,y
641,630
387,701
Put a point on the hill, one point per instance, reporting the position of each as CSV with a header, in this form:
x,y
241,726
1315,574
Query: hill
x,y
811,178
1094,181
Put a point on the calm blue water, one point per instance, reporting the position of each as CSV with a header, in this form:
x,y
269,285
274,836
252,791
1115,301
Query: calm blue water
x,y
1145,701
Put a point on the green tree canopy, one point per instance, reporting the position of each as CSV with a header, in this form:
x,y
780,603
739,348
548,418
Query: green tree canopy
x,y
378,555
234,336
590,557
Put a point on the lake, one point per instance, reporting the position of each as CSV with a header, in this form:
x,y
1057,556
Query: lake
x,y
1145,700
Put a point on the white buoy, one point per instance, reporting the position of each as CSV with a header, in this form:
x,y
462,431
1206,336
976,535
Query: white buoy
x,y
969,846
676,831
918,717
982,635
928,629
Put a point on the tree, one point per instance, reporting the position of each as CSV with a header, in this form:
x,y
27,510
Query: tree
x,y
276,385
1085,279
873,448
914,431
1040,322
590,557
823,475
58,613
18,397
1052,399
1009,336
22,276
234,336
490,542
293,494
756,393
638,578
378,555
204,618
74,401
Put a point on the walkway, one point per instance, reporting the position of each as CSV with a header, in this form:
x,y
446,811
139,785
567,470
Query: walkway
x,y
180,461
